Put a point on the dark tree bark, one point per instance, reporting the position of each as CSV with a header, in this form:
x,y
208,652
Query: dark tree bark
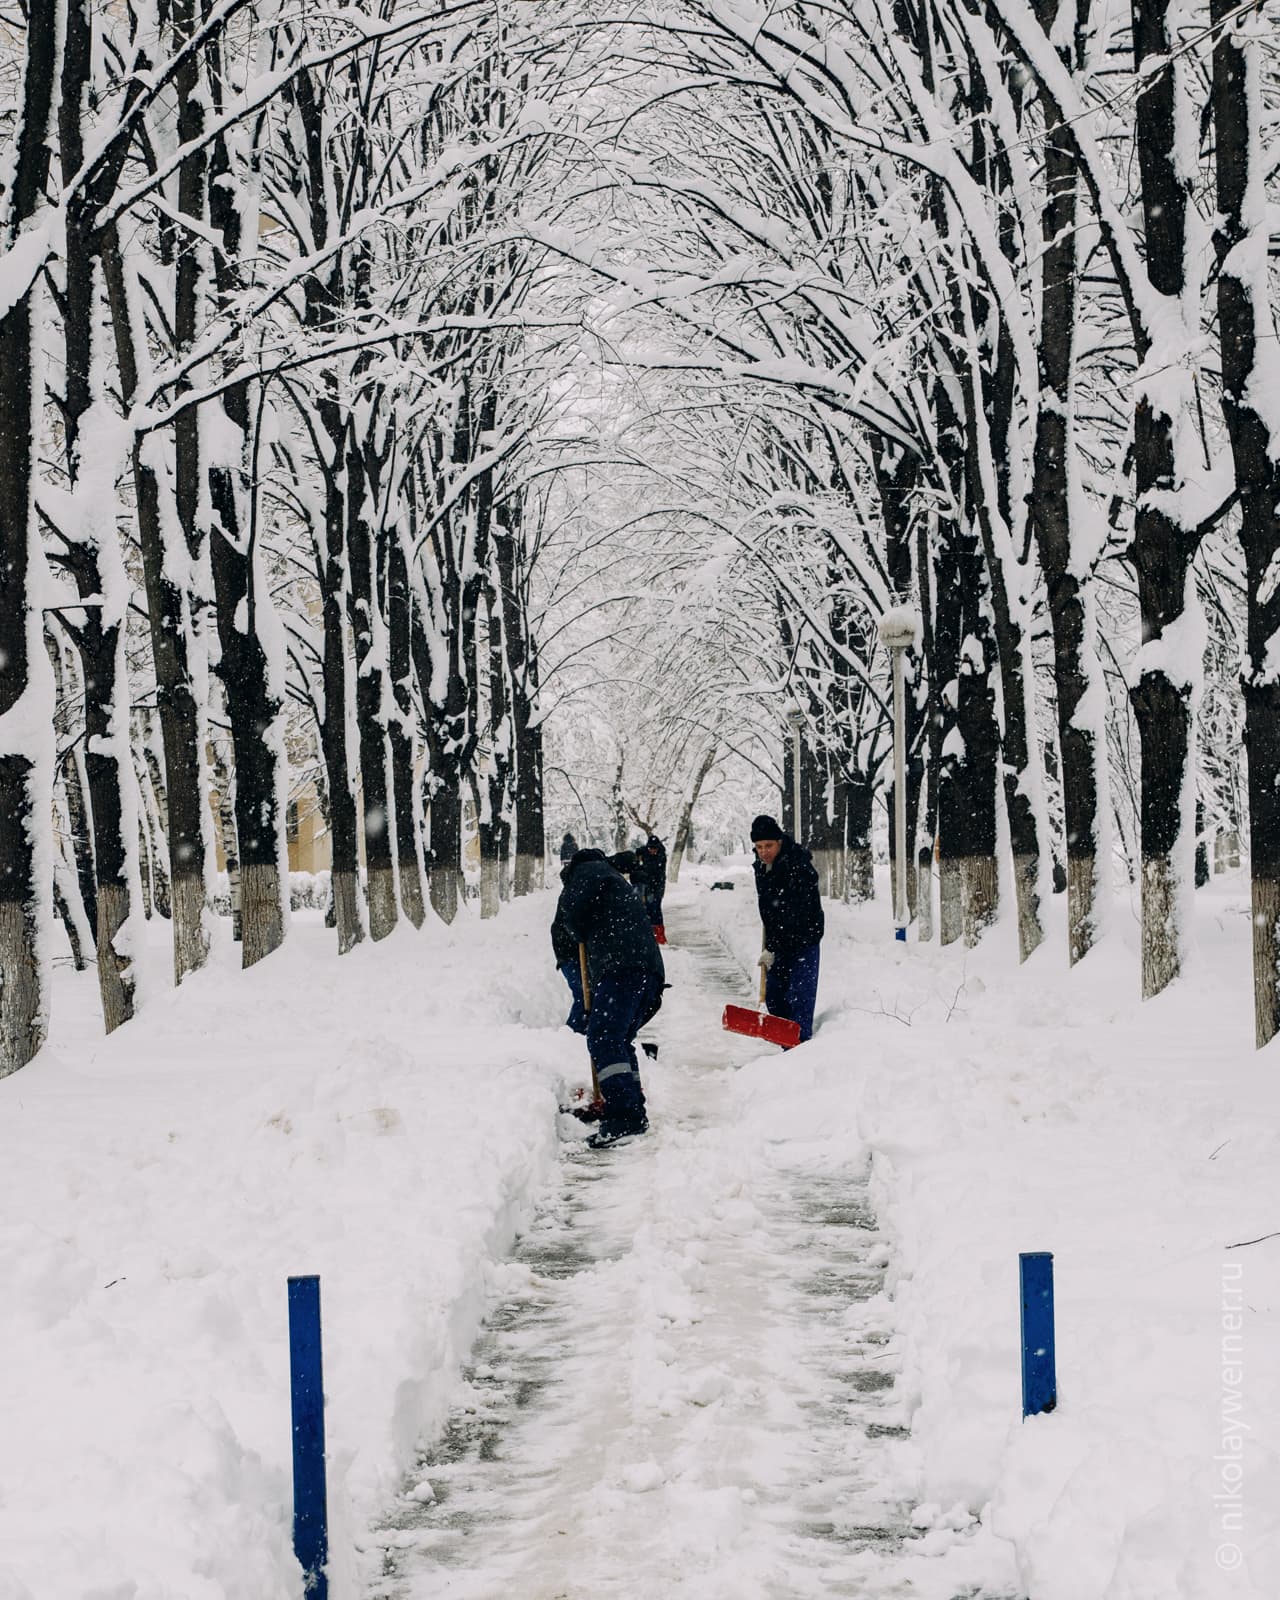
x,y
242,600
169,608
859,802
493,804
522,673
98,628
1080,744
1247,333
370,683
1162,548
962,661
344,828
323,296
399,728
898,482
81,838
26,887
931,752
985,369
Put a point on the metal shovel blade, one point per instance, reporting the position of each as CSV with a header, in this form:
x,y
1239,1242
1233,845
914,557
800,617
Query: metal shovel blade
x,y
760,1025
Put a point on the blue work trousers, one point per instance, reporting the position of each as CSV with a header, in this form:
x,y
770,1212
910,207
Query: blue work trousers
x,y
621,1004
571,971
791,987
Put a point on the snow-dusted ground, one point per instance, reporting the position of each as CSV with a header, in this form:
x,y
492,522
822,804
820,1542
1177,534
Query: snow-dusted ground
x,y
684,1335
687,1388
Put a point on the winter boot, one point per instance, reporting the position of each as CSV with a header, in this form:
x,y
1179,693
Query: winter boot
x,y
610,1132
650,1049
624,1107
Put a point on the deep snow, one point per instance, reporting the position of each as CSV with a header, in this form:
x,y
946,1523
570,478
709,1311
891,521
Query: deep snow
x,y
389,1121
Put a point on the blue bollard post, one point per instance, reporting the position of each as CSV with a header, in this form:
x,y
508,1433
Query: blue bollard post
x,y
1039,1373
306,1377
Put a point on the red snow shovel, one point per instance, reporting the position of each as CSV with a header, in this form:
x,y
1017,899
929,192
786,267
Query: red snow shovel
x,y
759,1024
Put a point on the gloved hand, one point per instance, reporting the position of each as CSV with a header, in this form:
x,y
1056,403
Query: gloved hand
x,y
766,959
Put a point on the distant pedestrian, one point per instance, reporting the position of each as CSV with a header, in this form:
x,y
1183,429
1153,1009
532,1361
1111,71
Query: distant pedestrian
x,y
791,911
624,966
568,849
650,877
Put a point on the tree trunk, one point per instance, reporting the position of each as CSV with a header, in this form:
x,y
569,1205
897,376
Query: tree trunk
x,y
897,473
620,828
403,786
684,828
108,769
988,396
344,828
1078,681
249,633
969,745
172,643
446,852
924,894
81,838
26,678
225,783
254,710
370,722
1249,374
70,911
1162,549
531,847
92,557
861,869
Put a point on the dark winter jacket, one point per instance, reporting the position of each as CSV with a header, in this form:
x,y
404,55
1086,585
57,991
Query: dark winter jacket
x,y
599,908
625,863
650,876
790,905
563,942
568,848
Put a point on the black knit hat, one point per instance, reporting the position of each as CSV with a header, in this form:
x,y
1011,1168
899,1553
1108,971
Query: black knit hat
x,y
765,828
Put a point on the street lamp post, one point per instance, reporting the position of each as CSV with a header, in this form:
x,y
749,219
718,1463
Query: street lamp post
x,y
795,720
898,635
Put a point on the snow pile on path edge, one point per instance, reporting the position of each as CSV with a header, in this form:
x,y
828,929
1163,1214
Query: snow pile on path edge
x,y
385,1121
1034,1108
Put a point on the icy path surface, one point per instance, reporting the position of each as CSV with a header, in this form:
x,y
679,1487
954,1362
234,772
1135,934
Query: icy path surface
x,y
686,1383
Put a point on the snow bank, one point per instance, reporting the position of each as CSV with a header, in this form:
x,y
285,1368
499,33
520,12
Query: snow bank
x,y
388,1121
385,1120
1013,1109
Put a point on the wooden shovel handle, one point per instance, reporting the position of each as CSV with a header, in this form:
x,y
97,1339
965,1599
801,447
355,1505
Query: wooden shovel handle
x,y
586,1006
764,971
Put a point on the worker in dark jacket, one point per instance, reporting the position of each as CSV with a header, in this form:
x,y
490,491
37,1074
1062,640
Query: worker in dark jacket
x,y
791,911
568,849
650,877
599,909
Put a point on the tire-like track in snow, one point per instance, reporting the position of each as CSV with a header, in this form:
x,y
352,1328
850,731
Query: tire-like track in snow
x,y
686,1386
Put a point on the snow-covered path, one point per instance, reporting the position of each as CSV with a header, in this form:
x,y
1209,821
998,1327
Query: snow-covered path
x,y
686,1385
